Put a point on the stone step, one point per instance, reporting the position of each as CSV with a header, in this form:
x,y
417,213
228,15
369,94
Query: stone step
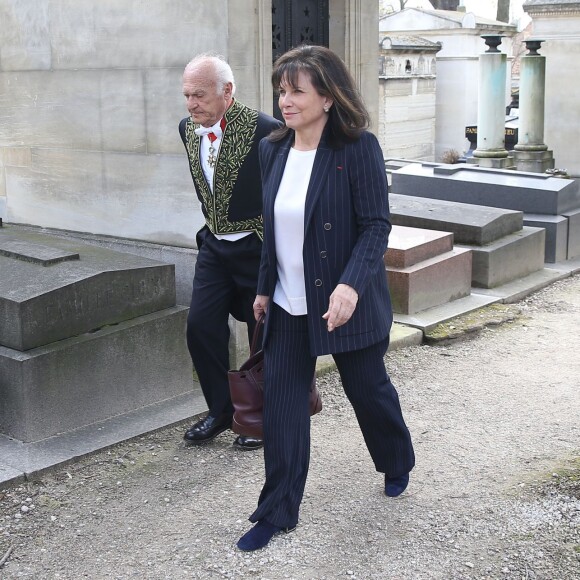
x,y
470,224
507,259
442,275
488,232
573,247
53,288
556,227
79,381
408,246
430,283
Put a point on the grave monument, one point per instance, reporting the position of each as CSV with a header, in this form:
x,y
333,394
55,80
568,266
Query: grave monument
x,y
86,334
546,202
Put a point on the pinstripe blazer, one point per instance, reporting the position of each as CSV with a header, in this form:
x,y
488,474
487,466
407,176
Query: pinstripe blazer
x,y
346,229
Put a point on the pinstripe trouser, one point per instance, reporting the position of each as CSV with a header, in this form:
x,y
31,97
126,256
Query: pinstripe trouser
x,y
289,367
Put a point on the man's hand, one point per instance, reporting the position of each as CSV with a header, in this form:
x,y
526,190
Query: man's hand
x,y
342,304
260,306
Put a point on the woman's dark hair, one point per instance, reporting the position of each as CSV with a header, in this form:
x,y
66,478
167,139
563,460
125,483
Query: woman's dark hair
x,y
348,116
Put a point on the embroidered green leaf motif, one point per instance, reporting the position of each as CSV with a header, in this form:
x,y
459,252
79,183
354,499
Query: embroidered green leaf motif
x,y
235,146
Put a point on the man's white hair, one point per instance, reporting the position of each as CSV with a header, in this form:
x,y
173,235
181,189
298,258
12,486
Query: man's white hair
x,y
222,69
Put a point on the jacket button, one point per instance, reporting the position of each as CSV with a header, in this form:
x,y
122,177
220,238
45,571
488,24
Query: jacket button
x,y
323,254
327,226
318,282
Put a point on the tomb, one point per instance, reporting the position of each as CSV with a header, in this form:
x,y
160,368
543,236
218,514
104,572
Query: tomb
x,y
86,334
537,195
424,270
502,248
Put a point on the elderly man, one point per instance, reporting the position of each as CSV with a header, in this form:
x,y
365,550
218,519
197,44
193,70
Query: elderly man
x,y
221,138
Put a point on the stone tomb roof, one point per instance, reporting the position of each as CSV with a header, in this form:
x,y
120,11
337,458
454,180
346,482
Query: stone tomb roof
x,y
405,42
421,19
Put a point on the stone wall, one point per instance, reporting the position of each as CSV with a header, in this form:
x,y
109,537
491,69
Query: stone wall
x,y
352,35
407,117
90,101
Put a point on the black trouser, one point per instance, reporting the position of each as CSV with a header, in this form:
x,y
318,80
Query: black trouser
x,y
288,368
224,283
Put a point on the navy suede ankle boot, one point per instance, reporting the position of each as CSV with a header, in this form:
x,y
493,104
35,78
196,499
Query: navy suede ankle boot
x,y
258,536
395,486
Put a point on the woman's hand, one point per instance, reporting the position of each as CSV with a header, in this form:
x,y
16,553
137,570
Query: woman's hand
x,y
260,306
342,304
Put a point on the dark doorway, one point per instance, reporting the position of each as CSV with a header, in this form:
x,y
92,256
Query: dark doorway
x,y
296,22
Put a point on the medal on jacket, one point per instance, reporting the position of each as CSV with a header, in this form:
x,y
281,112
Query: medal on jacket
x,y
211,159
212,133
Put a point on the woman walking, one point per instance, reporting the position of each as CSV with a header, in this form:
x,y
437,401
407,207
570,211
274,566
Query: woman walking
x,y
322,282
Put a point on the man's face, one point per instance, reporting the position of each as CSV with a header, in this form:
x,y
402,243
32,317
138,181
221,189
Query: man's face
x,y
205,100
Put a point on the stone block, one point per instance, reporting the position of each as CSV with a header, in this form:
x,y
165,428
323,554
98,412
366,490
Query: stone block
x,y
408,246
25,35
52,288
142,197
15,157
51,109
164,112
527,192
84,109
119,131
556,227
182,258
132,34
431,282
470,224
34,253
394,163
509,258
9,475
573,218
86,379
534,161
493,162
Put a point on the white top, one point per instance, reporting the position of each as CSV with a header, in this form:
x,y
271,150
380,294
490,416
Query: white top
x,y
290,292
208,171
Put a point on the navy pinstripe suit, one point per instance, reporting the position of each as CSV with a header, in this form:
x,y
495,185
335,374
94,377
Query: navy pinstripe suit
x,y
346,228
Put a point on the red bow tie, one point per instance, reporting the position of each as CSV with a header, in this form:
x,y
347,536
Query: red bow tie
x,y
212,136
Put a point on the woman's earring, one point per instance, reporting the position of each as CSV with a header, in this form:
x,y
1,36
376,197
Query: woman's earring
x,y
326,109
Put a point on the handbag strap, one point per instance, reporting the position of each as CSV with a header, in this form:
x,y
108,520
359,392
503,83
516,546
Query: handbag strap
x,y
257,328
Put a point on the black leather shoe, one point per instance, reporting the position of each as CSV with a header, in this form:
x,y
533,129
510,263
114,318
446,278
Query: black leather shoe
x,y
207,429
247,443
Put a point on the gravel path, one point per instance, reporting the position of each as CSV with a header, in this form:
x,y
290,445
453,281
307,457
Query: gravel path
x,y
495,494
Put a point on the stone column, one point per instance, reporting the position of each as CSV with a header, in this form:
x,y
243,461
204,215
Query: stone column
x,y
353,36
490,151
531,154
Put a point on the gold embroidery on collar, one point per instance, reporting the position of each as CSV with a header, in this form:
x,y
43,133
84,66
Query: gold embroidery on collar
x,y
236,143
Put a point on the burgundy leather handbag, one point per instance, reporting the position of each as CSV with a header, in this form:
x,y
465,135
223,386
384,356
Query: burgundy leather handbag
x,y
247,391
